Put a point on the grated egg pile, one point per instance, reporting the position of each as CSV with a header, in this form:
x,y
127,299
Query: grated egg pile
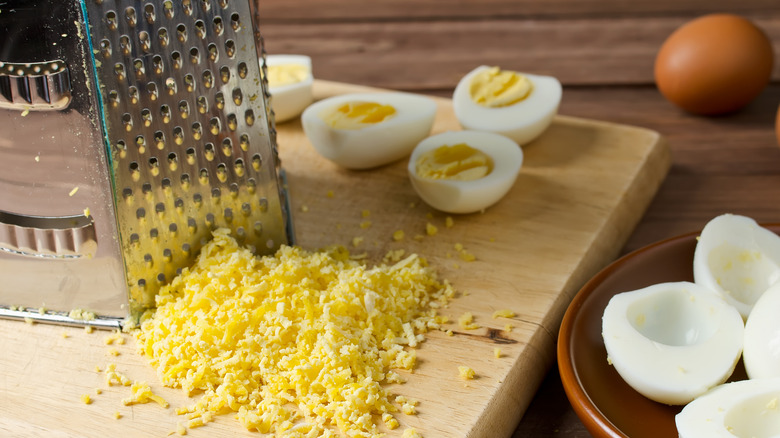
x,y
296,343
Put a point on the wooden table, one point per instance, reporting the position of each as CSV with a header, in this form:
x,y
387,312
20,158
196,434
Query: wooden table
x,y
603,52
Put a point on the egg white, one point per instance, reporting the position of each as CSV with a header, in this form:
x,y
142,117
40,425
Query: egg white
x,y
288,101
747,408
761,353
738,259
468,196
523,121
672,342
375,144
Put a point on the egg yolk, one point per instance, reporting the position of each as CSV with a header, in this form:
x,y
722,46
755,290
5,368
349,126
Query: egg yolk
x,y
286,74
357,115
460,162
496,88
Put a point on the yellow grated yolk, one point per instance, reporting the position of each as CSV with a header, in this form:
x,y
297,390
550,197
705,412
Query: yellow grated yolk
x,y
141,393
431,229
504,313
466,372
411,433
398,235
466,321
86,399
300,341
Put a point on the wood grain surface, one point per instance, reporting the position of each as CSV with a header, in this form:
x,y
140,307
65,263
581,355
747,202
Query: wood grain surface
x,y
603,52
583,187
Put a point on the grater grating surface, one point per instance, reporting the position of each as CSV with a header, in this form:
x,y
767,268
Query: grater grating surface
x,y
191,142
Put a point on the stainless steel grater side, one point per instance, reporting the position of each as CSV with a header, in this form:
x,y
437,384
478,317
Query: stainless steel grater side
x,y
130,131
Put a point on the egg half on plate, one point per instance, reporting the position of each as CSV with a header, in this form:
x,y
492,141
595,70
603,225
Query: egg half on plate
x,y
464,171
290,82
518,105
367,130
672,342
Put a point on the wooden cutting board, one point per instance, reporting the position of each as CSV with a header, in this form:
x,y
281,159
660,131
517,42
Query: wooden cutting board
x,y
583,188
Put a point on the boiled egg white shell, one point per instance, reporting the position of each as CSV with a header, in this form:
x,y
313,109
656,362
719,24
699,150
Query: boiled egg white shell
x,y
453,196
289,100
672,342
746,408
375,144
761,353
738,259
523,121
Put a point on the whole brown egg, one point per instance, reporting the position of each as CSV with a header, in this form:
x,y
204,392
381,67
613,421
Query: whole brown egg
x,y
714,64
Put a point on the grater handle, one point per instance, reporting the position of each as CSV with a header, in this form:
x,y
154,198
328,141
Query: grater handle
x,y
35,86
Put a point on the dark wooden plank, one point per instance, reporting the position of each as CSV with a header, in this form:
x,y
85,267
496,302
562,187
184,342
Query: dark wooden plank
x,y
403,10
434,55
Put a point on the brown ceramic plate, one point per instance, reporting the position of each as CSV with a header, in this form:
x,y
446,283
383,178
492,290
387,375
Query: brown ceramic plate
x,y
607,406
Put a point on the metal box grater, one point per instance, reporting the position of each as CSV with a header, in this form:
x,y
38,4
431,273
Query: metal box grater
x,y
129,130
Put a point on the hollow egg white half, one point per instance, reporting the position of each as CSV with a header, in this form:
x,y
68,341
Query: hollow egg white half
x,y
672,342
447,186
366,130
761,353
746,408
738,259
290,82
520,106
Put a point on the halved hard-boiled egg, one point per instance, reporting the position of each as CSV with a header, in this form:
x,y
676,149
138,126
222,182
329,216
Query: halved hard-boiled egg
x,y
761,353
672,342
747,408
518,105
290,82
365,130
464,171
738,259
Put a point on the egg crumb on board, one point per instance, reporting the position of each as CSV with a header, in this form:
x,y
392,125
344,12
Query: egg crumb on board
x,y
113,377
504,313
398,235
411,433
299,339
117,415
449,222
86,399
466,321
431,229
140,393
466,372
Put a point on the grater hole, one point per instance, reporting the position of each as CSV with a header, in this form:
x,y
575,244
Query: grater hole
x,y
176,59
192,227
178,204
205,5
197,199
227,147
119,71
132,91
173,162
208,79
203,176
142,283
157,64
121,146
228,214
258,227
210,220
197,131
194,55
190,155
214,126
127,121
232,122
161,278
146,189
203,104
127,193
162,37
140,213
230,48
167,255
146,116
166,182
178,135
222,172
235,21
238,167
105,47
154,234
181,32
159,208
224,74
125,46
251,185
165,112
151,88
257,161
249,117
244,142
185,181
209,151
170,85
148,260
154,166
216,194
113,98
149,13
184,109
138,67
223,4
219,27
238,96
243,70
263,205
213,52
187,6
131,16
246,209
233,190
241,233
189,82
159,140
219,99
200,29
134,239
146,44
185,249
111,21
140,144
269,243
168,9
